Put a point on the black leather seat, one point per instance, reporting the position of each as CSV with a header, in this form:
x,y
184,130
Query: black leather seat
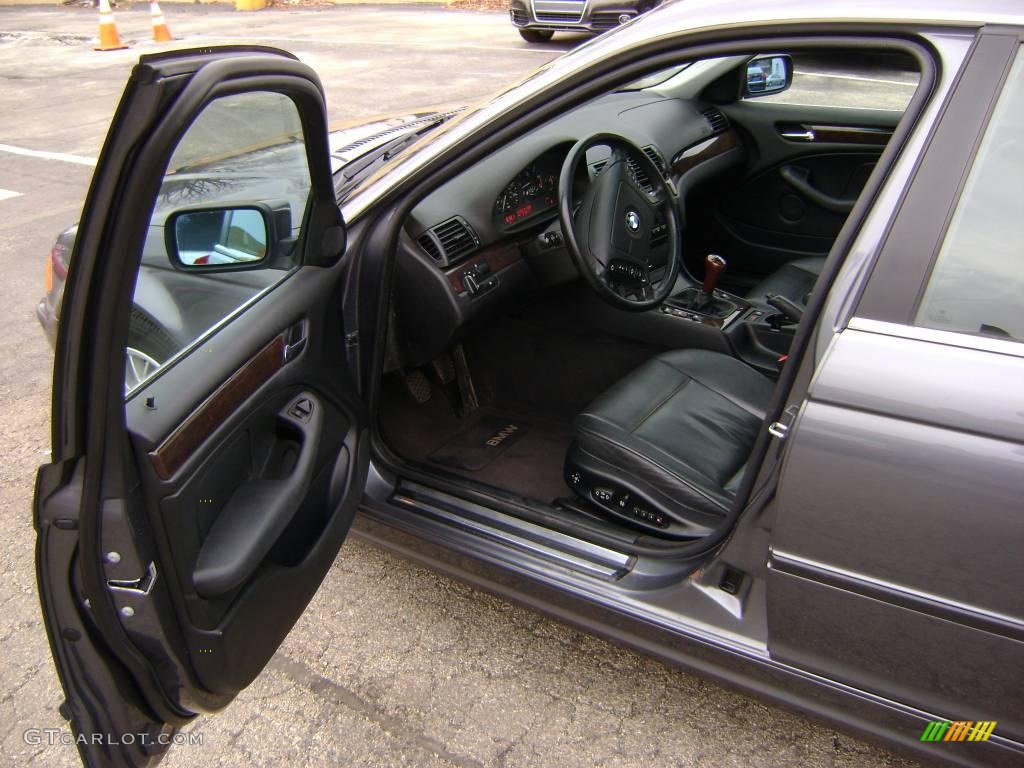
x,y
667,445
794,280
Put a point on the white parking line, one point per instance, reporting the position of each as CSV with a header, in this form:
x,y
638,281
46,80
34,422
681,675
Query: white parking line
x,y
859,78
7,194
62,157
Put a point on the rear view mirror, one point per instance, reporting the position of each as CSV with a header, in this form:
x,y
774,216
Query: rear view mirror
x,y
220,239
768,74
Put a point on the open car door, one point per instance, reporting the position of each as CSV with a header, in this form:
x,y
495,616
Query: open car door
x,y
209,446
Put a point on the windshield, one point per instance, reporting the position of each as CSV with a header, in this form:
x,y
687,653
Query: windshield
x,y
373,164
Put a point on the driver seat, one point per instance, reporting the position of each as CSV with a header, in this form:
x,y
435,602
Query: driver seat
x,y
665,447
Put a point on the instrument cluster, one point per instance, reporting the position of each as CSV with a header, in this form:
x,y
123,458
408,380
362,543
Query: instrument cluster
x,y
533,192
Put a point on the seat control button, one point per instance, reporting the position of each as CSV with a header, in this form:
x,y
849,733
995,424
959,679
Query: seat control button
x,y
604,495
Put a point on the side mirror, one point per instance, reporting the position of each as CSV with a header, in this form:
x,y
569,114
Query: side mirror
x,y
768,74
221,239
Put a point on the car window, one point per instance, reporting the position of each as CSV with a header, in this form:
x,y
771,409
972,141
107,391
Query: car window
x,y
224,227
977,284
850,79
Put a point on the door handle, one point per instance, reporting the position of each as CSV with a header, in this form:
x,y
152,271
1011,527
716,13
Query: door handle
x,y
260,509
800,179
295,341
799,135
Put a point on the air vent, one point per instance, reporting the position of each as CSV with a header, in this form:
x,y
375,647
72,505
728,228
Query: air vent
x,y
715,118
652,153
449,241
639,174
429,245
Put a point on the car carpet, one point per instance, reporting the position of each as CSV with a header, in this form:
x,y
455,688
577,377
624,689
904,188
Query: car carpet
x,y
482,442
531,466
537,367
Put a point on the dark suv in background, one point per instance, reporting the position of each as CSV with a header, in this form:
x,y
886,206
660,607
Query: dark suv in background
x,y
538,20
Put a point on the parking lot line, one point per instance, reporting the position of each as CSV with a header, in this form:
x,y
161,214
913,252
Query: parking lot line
x,y
7,194
859,78
62,157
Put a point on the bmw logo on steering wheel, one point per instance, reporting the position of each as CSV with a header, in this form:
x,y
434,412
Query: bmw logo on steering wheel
x,y
633,221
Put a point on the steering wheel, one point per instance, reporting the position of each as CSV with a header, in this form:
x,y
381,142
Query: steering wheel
x,y
609,233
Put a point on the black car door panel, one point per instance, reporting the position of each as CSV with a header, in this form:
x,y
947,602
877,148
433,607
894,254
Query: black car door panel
x,y
808,166
184,528
247,484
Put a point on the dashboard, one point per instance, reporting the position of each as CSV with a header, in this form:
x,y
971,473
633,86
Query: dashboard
x,y
492,231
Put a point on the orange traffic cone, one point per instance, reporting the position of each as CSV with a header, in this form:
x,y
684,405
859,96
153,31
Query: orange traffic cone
x,y
109,39
160,31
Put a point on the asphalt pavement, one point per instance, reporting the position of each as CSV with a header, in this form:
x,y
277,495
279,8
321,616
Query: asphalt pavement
x,y
391,665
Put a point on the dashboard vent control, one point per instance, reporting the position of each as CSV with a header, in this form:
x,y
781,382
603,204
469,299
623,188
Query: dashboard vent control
x,y
715,118
449,241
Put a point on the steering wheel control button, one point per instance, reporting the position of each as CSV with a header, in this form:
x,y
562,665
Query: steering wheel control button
x,y
627,271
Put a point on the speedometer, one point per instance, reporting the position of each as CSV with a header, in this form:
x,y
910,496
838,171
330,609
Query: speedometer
x,y
531,192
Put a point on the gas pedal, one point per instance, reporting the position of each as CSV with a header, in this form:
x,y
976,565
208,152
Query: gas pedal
x,y
467,391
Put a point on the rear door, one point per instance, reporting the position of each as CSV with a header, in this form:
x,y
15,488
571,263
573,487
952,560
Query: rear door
x,y
814,147
208,442
896,561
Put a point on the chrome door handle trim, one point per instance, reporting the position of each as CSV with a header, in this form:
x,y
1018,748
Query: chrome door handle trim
x,y
807,135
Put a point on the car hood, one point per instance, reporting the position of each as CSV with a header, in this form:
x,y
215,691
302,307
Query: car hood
x,y
353,139
348,140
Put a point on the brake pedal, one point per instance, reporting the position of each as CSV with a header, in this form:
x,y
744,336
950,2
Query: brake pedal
x,y
418,386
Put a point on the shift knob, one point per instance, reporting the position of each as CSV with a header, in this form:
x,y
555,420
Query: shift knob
x,y
714,266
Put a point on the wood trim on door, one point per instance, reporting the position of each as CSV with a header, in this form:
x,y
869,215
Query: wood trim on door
x,y
179,446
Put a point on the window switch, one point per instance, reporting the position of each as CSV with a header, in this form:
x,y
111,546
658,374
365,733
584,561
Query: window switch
x,y
302,409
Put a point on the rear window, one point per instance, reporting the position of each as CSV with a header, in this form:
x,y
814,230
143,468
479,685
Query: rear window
x,y
977,284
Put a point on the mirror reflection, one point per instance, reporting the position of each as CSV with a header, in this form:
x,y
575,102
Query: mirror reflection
x,y
220,237
768,74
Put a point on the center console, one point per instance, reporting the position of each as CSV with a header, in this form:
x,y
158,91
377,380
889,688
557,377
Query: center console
x,y
760,335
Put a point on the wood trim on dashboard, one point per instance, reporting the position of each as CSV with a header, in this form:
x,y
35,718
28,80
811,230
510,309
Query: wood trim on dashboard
x,y
497,257
182,443
693,156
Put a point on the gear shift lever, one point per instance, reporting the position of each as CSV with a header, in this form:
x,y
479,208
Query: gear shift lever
x,y
703,299
714,266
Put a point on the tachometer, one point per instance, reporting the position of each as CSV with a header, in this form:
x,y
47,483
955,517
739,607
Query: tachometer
x,y
531,192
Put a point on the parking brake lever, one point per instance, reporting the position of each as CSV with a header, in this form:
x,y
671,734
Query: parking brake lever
x,y
793,312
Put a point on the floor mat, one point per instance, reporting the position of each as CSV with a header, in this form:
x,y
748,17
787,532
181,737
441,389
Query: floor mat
x,y
478,445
